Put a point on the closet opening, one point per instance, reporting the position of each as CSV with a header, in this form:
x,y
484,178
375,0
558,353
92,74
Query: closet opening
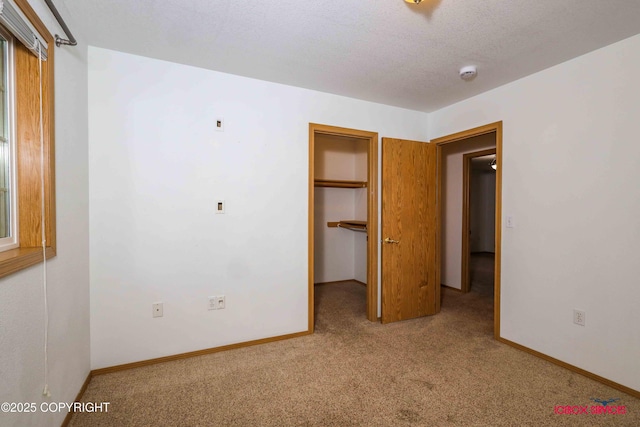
x,y
343,216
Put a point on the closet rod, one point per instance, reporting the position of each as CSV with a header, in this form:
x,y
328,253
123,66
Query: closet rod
x,y
353,225
364,230
71,41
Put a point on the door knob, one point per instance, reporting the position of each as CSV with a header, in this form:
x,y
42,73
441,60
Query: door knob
x,y
388,240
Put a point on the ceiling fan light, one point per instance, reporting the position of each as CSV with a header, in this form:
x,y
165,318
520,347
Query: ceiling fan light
x,y
493,164
413,1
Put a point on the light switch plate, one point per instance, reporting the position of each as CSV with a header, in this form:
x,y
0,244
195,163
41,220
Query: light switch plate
x,y
220,206
510,223
219,124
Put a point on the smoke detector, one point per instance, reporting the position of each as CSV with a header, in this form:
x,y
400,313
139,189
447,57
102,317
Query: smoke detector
x,y
468,73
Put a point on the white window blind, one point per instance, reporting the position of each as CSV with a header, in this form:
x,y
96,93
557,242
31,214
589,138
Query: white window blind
x,y
15,21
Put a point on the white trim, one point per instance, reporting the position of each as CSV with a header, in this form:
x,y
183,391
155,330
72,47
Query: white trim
x,y
12,241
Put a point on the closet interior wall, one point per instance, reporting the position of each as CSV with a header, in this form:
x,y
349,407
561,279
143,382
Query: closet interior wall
x,y
340,254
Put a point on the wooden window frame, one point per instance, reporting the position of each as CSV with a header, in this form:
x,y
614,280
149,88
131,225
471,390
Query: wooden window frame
x,y
27,122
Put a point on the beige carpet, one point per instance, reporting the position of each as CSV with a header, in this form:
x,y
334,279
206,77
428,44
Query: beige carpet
x,y
440,371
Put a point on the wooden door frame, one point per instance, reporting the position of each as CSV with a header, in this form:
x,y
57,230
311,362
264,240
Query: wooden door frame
x,y
466,217
372,213
461,136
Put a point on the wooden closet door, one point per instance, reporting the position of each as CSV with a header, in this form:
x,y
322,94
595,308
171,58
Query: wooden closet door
x,y
409,229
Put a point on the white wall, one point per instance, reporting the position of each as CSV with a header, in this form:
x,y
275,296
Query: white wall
x,y
334,247
571,184
21,294
452,188
157,166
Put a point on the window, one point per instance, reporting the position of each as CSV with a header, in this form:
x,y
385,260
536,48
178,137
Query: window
x,y
20,130
8,218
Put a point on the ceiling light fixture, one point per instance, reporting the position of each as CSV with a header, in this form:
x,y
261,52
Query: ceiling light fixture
x,y
413,1
493,164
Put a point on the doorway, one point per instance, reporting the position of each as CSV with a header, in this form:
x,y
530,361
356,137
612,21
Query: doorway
x,y
465,139
478,213
343,169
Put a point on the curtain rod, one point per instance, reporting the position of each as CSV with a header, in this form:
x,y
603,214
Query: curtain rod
x,y
71,41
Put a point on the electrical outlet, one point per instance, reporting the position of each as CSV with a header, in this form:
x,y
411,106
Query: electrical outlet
x,y
216,302
157,309
579,317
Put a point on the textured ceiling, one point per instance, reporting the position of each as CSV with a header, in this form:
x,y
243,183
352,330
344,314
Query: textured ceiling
x,y
384,51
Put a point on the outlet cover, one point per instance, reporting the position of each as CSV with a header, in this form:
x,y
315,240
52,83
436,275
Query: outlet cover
x,y
579,317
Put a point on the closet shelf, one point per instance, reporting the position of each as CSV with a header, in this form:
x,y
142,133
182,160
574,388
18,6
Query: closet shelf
x,y
350,224
335,183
